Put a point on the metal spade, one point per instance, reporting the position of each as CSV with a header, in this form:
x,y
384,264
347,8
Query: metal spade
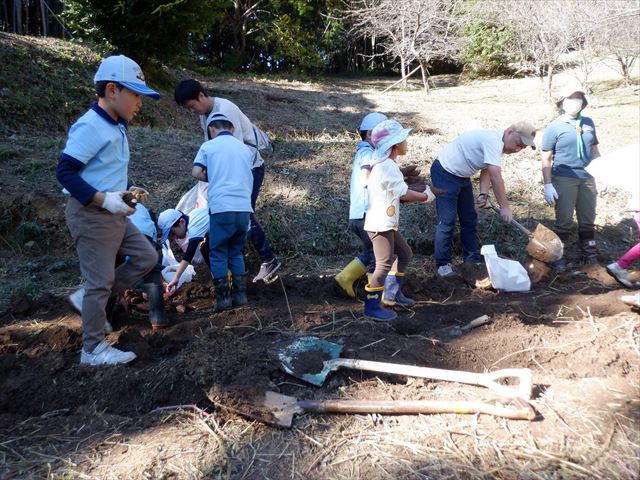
x,y
311,359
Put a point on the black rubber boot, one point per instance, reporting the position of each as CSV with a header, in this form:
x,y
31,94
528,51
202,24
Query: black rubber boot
x,y
157,315
223,294
588,248
239,290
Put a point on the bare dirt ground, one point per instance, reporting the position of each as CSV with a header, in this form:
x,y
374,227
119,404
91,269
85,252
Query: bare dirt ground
x,y
153,419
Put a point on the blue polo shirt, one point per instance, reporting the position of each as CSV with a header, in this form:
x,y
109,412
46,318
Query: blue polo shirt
x,y
142,219
227,162
95,157
357,187
560,137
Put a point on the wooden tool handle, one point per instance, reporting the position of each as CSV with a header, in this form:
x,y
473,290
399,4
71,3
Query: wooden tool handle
x,y
413,407
515,223
487,380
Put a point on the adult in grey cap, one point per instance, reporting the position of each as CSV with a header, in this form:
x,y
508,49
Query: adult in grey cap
x,y
472,152
569,144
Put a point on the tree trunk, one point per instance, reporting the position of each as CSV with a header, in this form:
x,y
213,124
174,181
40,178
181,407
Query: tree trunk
x,y
549,81
17,16
403,69
43,15
423,70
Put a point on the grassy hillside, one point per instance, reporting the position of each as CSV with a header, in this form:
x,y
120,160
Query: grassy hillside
x,y
47,83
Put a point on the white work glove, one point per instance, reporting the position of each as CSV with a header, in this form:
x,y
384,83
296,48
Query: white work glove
x,y
140,193
430,196
550,194
114,203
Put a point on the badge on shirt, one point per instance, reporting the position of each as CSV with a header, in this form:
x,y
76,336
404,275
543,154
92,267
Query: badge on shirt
x,y
391,210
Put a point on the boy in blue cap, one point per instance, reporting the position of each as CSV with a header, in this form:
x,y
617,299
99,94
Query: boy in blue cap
x,y
358,206
93,171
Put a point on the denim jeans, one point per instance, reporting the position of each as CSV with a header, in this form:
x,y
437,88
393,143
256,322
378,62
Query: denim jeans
x,y
356,226
256,235
227,239
457,203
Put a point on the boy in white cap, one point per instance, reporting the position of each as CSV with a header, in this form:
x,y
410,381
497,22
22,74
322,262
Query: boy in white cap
x,y
225,162
386,188
93,171
175,225
358,206
190,94
470,153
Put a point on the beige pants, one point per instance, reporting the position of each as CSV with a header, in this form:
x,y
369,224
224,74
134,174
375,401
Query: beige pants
x,y
391,251
99,236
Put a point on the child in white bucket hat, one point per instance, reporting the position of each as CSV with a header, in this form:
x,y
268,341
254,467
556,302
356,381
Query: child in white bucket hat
x,y
386,188
365,262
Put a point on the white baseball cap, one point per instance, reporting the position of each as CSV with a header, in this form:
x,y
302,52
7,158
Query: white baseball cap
x,y
166,220
371,120
126,72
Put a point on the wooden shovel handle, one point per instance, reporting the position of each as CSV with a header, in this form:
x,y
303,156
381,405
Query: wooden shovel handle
x,y
413,407
515,223
488,380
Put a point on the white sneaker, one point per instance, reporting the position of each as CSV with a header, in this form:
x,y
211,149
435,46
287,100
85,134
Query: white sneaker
x,y
105,354
446,271
619,273
75,299
633,300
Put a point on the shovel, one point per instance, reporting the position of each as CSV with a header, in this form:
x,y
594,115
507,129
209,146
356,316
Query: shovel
x,y
311,359
544,244
277,409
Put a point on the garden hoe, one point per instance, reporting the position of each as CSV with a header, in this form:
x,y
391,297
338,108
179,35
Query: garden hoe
x,y
311,359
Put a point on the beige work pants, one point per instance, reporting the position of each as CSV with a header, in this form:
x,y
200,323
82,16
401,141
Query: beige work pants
x,y
99,236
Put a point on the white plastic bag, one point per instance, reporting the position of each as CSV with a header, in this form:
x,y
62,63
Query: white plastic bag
x,y
196,197
506,275
170,266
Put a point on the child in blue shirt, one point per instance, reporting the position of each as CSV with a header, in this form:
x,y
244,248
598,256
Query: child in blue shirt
x,y
225,162
93,171
358,206
176,225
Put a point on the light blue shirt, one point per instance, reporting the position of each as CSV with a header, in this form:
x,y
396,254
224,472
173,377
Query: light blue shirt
x,y
103,147
198,223
142,219
228,164
357,188
560,138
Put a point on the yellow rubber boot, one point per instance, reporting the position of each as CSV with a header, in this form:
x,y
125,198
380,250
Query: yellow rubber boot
x,y
348,276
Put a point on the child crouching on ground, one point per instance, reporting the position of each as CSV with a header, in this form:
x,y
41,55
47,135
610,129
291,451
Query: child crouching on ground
x,y
176,225
225,162
386,188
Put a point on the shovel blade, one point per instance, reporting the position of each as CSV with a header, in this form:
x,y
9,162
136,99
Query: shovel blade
x,y
306,358
545,245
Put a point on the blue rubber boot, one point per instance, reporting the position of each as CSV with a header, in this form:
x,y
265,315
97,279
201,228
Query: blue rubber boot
x,y
372,308
393,291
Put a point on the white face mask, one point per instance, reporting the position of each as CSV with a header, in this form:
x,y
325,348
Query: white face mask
x,y
572,106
